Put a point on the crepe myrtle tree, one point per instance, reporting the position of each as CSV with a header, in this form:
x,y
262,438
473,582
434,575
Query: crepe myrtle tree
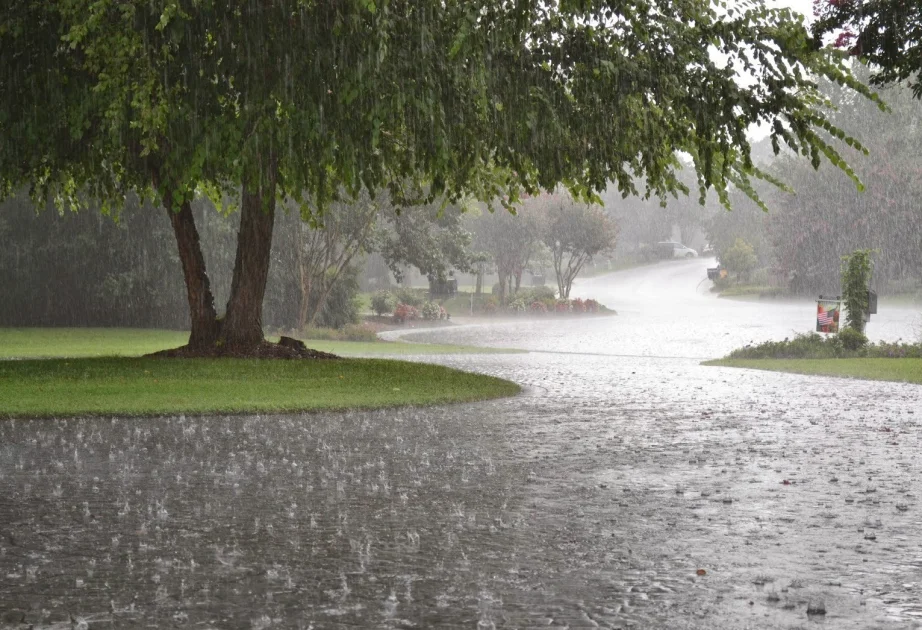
x,y
509,241
575,232
272,99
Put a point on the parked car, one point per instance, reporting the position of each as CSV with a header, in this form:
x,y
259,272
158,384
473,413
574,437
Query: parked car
x,y
671,249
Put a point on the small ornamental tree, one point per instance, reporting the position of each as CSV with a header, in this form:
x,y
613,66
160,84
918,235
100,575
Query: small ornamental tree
x,y
856,279
574,232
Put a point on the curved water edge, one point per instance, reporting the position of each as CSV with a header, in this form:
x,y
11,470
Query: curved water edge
x,y
643,492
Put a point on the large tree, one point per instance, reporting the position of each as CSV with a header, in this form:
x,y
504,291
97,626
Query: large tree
x,y
887,33
826,218
301,98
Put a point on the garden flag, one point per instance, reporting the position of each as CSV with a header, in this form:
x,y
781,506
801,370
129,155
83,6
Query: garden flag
x,y
827,316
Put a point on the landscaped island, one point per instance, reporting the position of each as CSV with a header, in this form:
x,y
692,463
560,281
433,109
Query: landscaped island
x,y
846,355
89,379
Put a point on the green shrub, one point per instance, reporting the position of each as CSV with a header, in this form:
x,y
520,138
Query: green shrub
x,y
894,350
383,302
852,340
342,302
810,345
536,294
721,283
849,343
431,311
518,304
740,258
410,296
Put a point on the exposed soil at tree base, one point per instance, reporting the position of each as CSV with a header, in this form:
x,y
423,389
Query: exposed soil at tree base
x,y
286,349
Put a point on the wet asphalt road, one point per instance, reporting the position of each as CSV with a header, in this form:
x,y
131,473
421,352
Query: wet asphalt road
x,y
596,499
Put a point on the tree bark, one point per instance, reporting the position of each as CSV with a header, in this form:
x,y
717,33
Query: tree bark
x,y
305,281
204,320
242,330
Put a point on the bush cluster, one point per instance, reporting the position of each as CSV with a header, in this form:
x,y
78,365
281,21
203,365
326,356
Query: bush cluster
x,y
405,313
540,301
411,297
433,311
849,343
383,302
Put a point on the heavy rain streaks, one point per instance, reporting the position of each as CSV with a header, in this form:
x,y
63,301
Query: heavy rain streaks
x,y
216,217
593,499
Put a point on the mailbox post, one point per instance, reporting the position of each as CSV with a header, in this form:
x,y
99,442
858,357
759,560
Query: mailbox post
x,y
872,306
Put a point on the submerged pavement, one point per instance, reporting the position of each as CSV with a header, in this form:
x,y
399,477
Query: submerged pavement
x,y
628,487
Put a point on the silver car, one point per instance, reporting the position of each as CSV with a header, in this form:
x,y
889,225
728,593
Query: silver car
x,y
678,250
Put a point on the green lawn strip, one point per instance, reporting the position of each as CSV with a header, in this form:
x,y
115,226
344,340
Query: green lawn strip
x,y
29,343
363,348
86,342
749,291
900,370
142,386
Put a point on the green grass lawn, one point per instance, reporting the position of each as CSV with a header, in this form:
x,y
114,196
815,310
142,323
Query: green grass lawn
x,y
104,373
749,291
396,348
86,342
29,343
901,370
144,386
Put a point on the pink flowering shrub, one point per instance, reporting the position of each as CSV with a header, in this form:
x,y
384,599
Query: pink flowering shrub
x,y
404,313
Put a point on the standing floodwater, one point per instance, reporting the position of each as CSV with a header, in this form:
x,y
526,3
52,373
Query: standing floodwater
x,y
619,491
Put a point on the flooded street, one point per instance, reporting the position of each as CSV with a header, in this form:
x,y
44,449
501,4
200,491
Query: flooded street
x,y
667,310
629,486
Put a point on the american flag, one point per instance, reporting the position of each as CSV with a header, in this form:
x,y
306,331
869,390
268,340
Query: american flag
x,y
824,319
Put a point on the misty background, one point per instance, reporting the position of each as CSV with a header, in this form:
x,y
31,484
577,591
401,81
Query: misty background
x,y
62,268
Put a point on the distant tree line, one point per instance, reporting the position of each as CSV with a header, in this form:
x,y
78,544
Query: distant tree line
x,y
803,237
554,231
92,269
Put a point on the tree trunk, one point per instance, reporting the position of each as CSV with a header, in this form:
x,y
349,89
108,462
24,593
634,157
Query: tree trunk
x,y
243,330
204,319
305,281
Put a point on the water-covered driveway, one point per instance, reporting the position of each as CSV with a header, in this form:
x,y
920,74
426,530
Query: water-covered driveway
x,y
629,487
